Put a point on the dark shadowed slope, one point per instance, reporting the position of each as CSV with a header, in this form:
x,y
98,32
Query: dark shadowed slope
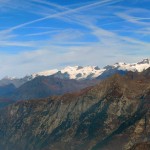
x,y
42,87
5,92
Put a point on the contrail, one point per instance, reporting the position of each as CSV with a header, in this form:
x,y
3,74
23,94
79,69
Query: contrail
x,y
96,4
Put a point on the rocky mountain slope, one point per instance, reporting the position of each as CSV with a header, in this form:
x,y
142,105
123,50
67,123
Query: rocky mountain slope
x,y
113,115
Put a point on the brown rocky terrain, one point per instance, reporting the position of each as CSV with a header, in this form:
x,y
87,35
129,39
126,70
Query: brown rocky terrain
x,y
141,146
113,115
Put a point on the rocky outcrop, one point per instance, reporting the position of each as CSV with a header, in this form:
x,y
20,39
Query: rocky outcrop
x,y
113,115
141,146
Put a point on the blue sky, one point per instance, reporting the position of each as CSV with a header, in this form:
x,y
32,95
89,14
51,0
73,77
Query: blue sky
x,y
37,35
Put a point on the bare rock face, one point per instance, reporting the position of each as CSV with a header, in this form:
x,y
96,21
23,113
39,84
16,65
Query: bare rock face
x,y
113,115
141,146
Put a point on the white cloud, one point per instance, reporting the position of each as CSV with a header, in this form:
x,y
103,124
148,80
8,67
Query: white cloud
x,y
22,63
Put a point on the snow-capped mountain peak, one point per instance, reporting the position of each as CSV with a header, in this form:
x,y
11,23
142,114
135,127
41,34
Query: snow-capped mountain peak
x,y
144,61
9,78
45,73
120,64
73,72
139,67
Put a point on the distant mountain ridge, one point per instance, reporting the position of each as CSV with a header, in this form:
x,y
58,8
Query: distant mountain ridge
x,y
91,72
45,86
82,73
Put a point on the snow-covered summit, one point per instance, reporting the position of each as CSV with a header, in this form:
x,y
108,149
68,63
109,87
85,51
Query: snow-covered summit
x,y
144,61
139,67
79,72
75,72
45,73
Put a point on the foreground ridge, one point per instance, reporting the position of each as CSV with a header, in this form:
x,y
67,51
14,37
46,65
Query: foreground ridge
x,y
111,115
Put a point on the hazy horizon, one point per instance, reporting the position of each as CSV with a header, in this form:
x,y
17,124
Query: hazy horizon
x,y
59,69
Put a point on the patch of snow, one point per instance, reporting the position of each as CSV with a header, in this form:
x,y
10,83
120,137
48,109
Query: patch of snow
x,y
45,73
78,72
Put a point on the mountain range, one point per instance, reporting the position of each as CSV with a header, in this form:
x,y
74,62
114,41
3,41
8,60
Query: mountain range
x,y
80,73
114,114
54,82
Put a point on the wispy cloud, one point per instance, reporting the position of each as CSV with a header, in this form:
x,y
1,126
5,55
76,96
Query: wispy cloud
x,y
136,20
